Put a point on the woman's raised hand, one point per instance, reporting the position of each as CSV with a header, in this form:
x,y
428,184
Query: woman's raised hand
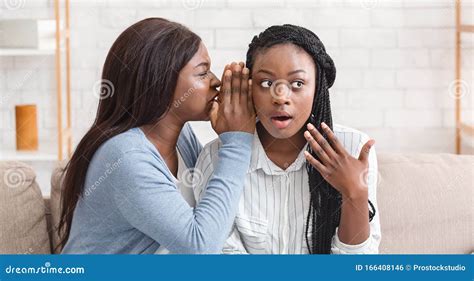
x,y
344,172
234,110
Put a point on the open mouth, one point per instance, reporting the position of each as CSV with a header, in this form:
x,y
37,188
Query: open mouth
x,y
281,118
281,121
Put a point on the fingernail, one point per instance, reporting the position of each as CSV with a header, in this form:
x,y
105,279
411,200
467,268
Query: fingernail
x,y
310,126
307,134
324,125
245,71
306,153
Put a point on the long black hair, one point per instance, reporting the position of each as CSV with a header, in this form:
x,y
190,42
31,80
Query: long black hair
x,y
324,212
139,77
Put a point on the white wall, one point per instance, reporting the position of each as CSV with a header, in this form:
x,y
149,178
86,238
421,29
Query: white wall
x,y
394,59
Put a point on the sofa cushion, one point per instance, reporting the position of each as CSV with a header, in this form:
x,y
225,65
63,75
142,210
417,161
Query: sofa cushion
x,y
425,203
424,200
56,179
22,211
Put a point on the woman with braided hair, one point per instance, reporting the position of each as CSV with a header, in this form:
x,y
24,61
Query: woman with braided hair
x,y
311,185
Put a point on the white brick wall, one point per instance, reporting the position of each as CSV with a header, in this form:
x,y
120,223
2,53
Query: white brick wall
x,y
395,60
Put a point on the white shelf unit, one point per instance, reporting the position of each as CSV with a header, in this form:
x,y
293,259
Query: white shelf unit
x,y
27,156
11,52
64,134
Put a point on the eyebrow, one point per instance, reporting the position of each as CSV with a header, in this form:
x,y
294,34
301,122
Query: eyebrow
x,y
202,64
289,73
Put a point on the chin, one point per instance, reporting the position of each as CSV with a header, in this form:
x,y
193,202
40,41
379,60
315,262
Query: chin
x,y
200,115
200,118
277,133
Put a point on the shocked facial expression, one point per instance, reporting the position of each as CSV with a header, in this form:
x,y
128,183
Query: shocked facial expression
x,y
284,83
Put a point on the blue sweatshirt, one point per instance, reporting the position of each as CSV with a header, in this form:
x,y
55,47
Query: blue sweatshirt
x,y
131,204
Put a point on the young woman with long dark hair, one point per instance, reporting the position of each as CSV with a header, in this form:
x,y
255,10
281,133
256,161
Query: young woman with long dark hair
x,y
122,184
311,186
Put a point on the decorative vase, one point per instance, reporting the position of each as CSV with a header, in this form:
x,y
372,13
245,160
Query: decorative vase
x,y
26,127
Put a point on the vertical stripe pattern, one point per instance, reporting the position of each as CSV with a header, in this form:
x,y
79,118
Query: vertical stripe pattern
x,y
274,204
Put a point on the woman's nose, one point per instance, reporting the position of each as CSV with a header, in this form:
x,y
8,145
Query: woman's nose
x,y
281,92
280,100
215,82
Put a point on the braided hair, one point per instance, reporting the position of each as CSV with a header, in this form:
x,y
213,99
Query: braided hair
x,y
324,212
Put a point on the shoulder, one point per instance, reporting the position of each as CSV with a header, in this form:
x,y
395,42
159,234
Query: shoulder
x,y
348,133
345,130
352,139
124,143
130,156
131,149
189,145
204,169
209,153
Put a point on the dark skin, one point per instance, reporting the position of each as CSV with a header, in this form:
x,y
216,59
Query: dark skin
x,y
234,112
283,143
297,67
282,152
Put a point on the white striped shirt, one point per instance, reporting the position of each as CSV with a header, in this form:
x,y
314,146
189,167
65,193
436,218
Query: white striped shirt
x,y
271,218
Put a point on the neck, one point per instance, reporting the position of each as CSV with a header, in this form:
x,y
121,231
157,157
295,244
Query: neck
x,y
165,133
289,146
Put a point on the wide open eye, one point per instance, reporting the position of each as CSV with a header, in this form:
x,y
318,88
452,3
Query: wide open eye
x,y
297,84
266,84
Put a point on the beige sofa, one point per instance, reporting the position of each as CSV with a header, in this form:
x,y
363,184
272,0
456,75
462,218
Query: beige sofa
x,y
425,205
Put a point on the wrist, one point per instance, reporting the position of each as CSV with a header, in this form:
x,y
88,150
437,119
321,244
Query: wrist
x,y
360,194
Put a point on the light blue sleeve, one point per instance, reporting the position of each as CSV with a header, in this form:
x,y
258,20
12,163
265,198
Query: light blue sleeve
x,y
150,202
205,168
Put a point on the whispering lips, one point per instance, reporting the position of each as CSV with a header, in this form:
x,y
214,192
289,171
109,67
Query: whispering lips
x,y
215,98
281,119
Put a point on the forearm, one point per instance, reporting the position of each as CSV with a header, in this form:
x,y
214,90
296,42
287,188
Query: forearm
x,y
216,209
354,225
